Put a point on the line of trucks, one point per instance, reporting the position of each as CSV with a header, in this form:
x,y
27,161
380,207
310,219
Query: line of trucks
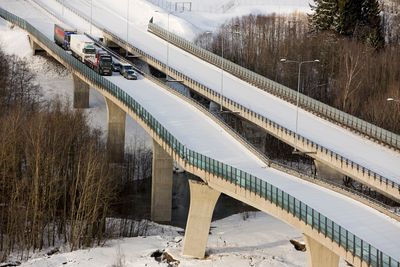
x,y
84,49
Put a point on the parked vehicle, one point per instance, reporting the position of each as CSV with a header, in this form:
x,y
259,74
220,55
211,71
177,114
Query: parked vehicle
x,y
130,75
101,63
62,35
116,66
82,47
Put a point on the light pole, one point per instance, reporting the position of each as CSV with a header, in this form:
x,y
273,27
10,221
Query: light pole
x,y
168,37
222,65
391,99
300,63
91,16
127,25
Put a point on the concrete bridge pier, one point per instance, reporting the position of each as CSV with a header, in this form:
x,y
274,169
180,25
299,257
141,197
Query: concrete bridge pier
x,y
35,47
202,202
319,255
116,132
81,93
326,172
161,185
110,44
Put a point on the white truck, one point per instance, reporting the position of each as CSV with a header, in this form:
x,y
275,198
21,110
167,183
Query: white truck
x,y
82,47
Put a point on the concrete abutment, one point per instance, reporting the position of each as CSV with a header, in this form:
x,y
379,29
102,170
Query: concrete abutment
x,y
35,47
116,132
202,202
81,93
319,255
161,186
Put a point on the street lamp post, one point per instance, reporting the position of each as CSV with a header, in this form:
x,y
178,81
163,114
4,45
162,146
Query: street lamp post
x,y
300,63
127,25
391,99
91,16
223,65
168,37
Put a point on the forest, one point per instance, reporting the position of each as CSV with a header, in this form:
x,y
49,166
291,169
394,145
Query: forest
x,y
359,57
56,185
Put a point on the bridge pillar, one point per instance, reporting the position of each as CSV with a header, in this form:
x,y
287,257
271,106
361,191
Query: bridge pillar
x,y
35,47
116,132
327,172
81,93
202,202
161,186
319,255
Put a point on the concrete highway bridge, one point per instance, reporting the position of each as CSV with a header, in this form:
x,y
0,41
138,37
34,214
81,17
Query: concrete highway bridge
x,y
334,225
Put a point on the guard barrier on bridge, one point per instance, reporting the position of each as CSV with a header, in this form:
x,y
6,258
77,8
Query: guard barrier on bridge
x,y
269,192
280,90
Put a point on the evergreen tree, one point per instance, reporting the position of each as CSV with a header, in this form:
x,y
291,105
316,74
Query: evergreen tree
x,y
359,19
372,22
349,16
324,16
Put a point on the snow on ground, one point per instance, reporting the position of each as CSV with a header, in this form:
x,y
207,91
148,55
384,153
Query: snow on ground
x,y
57,82
259,240
208,15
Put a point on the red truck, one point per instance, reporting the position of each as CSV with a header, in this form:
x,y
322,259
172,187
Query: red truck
x,y
101,63
62,35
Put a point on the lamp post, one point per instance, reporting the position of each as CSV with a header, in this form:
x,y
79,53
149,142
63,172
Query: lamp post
x,y
300,63
127,25
222,65
168,37
391,99
91,16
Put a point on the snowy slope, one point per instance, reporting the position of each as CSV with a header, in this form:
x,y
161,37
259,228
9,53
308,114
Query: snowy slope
x,y
260,240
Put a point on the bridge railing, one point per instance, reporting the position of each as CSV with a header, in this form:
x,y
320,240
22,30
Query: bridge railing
x,y
280,90
332,156
341,236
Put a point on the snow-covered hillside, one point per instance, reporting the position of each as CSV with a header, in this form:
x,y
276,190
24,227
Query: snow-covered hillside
x,y
207,15
256,240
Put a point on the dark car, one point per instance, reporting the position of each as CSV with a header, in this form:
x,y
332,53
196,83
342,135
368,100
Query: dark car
x,y
116,67
130,75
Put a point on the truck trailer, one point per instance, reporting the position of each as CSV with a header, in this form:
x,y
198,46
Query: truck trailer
x,y
62,35
82,47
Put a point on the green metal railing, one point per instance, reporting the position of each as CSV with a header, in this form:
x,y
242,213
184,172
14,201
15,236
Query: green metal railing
x,y
269,192
280,90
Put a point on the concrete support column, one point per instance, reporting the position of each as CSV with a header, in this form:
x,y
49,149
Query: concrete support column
x,y
161,186
202,202
116,132
319,255
35,47
81,93
327,172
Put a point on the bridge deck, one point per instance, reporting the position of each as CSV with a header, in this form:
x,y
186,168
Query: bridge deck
x,y
202,134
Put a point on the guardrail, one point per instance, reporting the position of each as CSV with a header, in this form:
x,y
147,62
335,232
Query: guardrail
x,y
333,231
281,91
363,174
